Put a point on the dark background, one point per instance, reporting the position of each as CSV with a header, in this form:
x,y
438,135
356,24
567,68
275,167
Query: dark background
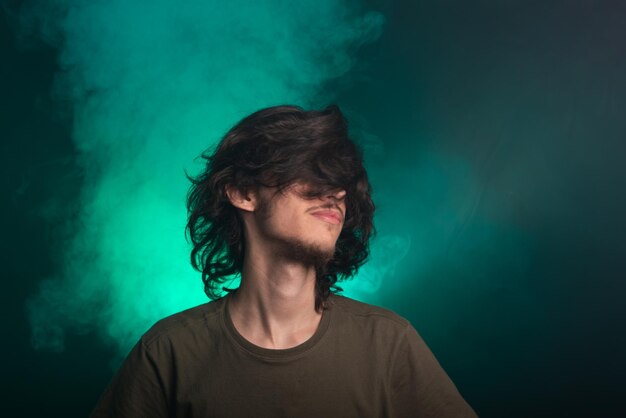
x,y
545,80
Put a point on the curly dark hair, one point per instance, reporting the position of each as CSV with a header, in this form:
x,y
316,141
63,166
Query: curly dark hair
x,y
277,147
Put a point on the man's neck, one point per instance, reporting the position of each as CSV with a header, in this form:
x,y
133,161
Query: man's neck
x,y
275,305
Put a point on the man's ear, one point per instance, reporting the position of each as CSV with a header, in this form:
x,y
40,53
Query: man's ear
x,y
242,200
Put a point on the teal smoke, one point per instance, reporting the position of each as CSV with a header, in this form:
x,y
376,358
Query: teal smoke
x,y
150,85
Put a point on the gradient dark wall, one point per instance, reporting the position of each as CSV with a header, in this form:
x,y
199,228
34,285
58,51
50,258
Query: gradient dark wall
x,y
500,133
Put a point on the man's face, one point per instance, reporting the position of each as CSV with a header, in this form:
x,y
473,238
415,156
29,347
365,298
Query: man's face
x,y
298,227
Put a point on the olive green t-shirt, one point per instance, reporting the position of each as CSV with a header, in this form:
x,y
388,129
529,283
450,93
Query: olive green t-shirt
x,y
362,361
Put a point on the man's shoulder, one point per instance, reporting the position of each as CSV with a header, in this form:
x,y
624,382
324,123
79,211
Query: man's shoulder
x,y
190,322
366,312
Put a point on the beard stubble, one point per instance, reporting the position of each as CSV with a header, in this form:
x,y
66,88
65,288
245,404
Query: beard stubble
x,y
297,250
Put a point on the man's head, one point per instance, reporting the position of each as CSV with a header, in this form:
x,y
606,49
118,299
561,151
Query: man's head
x,y
293,178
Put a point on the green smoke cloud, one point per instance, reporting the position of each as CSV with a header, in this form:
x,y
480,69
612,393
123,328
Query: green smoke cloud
x,y
150,85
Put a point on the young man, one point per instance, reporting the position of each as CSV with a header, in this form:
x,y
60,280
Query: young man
x,y
285,204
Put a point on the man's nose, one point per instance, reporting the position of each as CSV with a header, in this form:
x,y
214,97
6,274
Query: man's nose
x,y
337,194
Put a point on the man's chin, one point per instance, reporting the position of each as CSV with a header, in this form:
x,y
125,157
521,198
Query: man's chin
x,y
308,253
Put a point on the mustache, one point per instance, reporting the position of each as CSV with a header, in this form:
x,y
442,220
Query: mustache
x,y
329,205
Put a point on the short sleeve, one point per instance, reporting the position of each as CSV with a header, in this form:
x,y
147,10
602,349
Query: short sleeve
x,y
419,386
136,391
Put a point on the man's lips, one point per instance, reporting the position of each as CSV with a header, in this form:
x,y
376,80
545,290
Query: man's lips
x,y
330,216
